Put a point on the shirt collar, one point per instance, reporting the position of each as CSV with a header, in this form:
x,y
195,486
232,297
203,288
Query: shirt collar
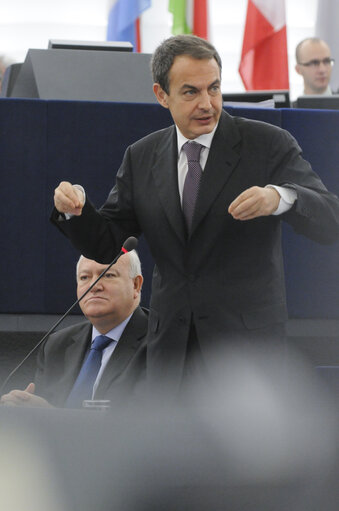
x,y
115,333
205,139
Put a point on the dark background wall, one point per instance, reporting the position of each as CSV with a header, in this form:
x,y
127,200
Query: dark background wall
x,y
45,141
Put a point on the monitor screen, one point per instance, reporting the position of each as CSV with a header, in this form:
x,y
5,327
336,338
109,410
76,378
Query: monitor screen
x,y
319,102
60,44
272,98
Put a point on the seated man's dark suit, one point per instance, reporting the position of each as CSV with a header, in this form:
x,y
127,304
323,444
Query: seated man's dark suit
x,y
61,357
227,278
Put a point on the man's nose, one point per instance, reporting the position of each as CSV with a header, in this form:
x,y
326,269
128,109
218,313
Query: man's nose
x,y
98,286
205,101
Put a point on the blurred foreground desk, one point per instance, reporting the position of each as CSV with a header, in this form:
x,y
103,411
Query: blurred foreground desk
x,y
224,454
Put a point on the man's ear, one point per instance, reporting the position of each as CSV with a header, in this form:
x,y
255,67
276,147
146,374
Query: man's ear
x,y
160,94
138,280
297,68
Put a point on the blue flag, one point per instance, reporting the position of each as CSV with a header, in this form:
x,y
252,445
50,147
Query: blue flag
x,y
122,20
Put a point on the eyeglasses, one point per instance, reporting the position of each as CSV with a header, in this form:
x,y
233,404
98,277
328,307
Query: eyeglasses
x,y
316,62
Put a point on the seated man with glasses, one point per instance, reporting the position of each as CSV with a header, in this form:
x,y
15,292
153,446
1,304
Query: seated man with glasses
x,y
314,64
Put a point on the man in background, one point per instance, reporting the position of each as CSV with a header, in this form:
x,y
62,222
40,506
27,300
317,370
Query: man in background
x,y
314,64
115,316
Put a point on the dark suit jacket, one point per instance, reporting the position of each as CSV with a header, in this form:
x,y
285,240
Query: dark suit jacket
x,y
61,356
228,276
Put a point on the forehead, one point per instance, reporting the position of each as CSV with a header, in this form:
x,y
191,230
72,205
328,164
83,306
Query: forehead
x,y
90,266
187,70
314,50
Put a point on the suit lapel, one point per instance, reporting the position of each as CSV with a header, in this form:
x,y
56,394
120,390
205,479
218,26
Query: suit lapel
x,y
165,176
127,346
222,160
74,356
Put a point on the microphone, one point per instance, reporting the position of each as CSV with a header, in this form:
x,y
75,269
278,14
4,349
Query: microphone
x,y
130,244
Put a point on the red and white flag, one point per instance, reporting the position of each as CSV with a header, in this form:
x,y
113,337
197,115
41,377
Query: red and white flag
x,y
200,18
264,61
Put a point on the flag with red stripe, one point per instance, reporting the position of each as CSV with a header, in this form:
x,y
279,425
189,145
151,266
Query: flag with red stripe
x,y
264,61
124,21
189,17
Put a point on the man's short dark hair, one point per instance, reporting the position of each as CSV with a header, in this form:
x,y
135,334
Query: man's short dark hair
x,y
190,45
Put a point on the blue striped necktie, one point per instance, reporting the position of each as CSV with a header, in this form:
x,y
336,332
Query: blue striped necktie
x,y
83,386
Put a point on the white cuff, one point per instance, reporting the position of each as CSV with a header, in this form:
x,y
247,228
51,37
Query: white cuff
x,y
288,196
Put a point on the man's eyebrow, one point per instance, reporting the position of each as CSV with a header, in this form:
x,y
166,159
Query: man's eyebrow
x,y
113,270
188,86
216,82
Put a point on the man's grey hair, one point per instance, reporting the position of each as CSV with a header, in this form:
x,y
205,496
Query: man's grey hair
x,y
307,40
134,264
190,45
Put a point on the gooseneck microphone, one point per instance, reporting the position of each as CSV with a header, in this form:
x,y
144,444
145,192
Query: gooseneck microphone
x,y
130,244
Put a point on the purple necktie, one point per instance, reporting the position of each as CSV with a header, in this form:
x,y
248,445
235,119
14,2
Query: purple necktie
x,y
192,181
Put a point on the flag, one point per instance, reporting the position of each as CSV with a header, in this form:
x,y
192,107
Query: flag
x,y
123,21
327,29
189,17
264,61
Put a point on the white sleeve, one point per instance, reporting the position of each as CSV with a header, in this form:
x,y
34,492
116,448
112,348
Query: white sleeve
x,y
288,196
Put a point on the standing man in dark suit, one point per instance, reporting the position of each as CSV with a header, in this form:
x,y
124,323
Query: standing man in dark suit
x,y
219,268
112,309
